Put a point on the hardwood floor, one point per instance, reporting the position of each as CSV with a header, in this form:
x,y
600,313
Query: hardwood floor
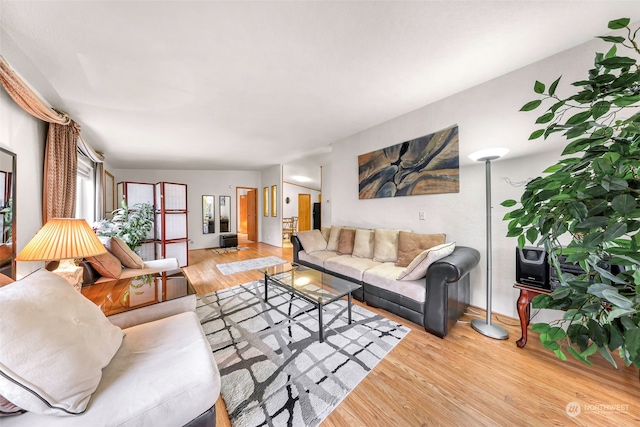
x,y
465,379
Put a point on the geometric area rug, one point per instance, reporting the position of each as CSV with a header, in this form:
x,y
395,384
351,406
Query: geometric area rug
x,y
249,264
274,370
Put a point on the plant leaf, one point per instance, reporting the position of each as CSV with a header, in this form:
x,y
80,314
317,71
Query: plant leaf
x,y
618,300
623,203
536,134
599,109
578,356
508,203
618,24
532,105
538,87
554,85
604,353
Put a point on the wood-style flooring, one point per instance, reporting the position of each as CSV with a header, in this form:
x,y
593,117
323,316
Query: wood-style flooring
x,y
465,379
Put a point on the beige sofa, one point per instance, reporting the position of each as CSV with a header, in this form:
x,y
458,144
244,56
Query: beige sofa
x,y
419,277
65,364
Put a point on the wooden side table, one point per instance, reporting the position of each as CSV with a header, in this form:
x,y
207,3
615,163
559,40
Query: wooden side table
x,y
527,293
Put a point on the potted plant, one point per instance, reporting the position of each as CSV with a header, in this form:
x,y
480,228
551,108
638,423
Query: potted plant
x,y
589,200
130,223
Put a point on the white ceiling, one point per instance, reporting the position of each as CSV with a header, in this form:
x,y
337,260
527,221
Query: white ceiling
x,y
246,85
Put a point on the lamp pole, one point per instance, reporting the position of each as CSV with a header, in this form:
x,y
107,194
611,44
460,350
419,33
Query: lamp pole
x,y
486,327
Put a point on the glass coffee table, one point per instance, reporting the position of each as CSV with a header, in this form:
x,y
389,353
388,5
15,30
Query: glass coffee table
x,y
310,285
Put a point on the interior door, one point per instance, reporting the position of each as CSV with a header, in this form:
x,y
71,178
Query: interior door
x,y
243,214
252,215
304,212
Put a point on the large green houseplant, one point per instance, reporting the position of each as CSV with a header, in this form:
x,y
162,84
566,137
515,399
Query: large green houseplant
x,y
589,201
130,223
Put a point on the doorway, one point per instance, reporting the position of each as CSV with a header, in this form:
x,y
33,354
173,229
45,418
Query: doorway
x,y
304,212
247,202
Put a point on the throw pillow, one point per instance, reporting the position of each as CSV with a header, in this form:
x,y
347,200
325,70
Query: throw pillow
x,y
120,250
345,243
419,266
326,232
385,247
410,245
312,241
334,237
54,346
106,264
7,408
363,244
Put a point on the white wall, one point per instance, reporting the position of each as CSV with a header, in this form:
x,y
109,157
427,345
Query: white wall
x,y
25,136
327,191
200,183
271,226
486,114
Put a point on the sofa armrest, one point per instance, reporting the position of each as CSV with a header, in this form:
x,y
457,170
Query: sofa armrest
x,y
448,291
297,247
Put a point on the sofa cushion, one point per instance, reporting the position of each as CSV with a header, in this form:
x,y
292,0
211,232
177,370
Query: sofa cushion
x,y
326,232
123,252
385,247
54,347
312,241
350,266
334,238
345,243
410,245
419,266
385,276
316,258
106,264
163,375
363,244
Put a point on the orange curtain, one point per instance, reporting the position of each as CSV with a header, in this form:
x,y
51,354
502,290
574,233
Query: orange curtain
x,y
60,171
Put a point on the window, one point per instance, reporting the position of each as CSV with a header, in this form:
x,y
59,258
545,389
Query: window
x,y
85,191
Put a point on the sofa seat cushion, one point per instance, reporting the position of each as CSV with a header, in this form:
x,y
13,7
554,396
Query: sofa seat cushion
x,y
163,375
316,258
385,276
349,266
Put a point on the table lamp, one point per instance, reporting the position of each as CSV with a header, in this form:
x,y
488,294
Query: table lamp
x,y
63,239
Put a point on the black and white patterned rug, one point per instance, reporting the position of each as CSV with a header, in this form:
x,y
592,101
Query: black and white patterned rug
x,y
274,371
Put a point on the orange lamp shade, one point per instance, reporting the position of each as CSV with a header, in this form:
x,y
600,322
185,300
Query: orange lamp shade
x,y
62,238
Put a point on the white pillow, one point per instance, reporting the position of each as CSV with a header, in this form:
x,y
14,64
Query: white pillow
x,y
312,241
385,247
420,264
334,238
55,343
363,244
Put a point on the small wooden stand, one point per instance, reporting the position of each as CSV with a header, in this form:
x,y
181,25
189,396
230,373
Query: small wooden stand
x,y
527,293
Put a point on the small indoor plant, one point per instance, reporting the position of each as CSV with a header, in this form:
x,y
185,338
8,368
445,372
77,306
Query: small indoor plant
x,y
589,199
130,223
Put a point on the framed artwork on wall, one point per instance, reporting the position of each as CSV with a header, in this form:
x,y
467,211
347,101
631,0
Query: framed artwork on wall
x,y
425,165
274,197
265,201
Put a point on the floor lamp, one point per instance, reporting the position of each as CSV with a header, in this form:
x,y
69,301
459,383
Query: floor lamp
x,y
485,327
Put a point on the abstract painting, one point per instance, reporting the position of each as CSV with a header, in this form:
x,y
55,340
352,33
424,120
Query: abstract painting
x,y
425,165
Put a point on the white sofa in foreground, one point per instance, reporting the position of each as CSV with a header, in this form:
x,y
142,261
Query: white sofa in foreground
x,y
65,364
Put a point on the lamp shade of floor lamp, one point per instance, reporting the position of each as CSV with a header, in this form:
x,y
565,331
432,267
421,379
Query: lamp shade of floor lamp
x,y
485,327
63,239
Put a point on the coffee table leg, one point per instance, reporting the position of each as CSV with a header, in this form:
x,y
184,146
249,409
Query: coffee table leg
x,y
320,331
349,307
265,286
